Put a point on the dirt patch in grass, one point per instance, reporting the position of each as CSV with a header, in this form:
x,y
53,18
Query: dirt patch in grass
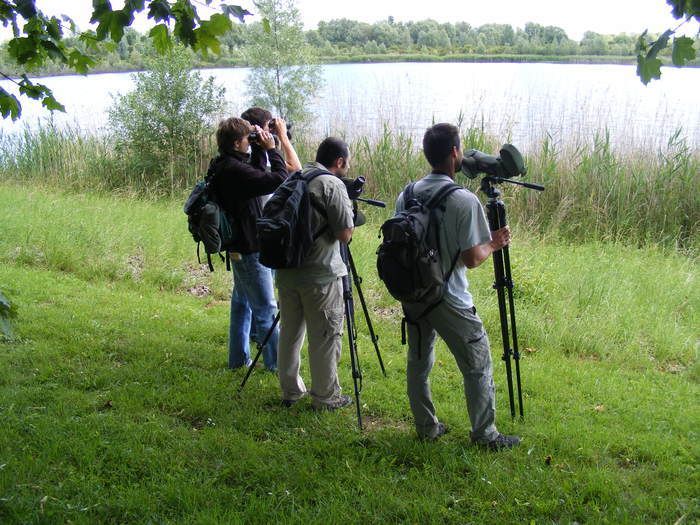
x,y
374,423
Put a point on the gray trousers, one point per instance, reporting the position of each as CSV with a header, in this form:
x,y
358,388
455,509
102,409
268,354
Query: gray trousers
x,y
318,310
464,334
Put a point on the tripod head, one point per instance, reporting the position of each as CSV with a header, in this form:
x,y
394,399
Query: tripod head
x,y
488,185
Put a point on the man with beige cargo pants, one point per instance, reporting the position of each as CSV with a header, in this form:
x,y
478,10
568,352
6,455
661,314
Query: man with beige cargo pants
x,y
311,297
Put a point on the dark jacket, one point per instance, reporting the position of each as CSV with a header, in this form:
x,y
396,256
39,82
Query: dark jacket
x,y
238,186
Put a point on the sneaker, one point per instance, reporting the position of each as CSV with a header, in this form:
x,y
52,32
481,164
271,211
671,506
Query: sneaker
x,y
501,442
441,431
246,365
339,402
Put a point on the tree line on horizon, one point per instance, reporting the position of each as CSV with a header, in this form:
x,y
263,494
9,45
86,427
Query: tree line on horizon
x,y
348,40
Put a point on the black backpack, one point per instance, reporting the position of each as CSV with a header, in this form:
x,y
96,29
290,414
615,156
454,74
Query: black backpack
x,y
209,224
408,259
284,230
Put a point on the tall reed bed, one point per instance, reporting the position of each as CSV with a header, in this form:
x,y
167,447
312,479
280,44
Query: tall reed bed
x,y
73,159
593,191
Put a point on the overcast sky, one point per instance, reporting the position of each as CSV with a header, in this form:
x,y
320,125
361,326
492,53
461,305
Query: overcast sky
x,y
575,17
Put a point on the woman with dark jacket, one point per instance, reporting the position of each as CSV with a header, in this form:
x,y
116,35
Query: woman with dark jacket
x,y
239,183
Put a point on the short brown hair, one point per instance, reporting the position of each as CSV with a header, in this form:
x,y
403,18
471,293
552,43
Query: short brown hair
x,y
257,116
230,130
330,150
438,142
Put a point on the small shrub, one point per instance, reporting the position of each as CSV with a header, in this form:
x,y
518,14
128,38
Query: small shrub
x,y
161,130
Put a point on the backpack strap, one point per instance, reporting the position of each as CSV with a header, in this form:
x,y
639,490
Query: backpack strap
x,y
315,172
440,195
408,195
432,204
308,177
442,192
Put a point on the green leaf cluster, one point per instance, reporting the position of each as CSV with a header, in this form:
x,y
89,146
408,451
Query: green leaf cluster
x,y
683,50
42,39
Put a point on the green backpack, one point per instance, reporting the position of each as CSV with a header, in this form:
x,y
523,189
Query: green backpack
x,y
209,224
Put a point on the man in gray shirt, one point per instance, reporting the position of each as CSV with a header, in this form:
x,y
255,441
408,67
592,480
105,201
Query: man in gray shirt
x,y
311,296
463,230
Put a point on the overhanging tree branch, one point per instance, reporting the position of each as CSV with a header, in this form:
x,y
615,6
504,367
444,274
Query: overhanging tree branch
x,y
41,38
683,50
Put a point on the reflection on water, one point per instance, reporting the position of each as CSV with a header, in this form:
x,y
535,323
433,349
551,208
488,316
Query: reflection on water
x,y
521,103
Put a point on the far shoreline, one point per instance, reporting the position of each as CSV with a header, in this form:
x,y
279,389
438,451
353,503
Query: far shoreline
x,y
400,58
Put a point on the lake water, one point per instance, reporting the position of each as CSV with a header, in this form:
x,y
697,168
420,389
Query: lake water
x,y
520,103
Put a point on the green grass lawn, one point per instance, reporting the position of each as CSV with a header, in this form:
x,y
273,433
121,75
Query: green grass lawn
x,y
116,404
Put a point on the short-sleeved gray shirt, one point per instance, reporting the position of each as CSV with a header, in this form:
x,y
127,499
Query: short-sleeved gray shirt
x,y
463,225
323,263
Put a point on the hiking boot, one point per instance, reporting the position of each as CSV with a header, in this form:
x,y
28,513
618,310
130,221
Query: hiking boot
x,y
501,442
288,403
441,431
338,402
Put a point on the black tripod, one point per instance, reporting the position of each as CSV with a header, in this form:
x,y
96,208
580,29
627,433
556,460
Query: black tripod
x,y
496,213
352,329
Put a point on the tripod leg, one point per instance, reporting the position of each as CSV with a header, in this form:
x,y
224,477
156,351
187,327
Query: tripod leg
x,y
496,215
505,335
513,327
352,343
375,338
260,347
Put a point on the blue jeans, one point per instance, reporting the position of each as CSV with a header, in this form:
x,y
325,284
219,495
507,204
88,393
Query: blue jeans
x,y
253,310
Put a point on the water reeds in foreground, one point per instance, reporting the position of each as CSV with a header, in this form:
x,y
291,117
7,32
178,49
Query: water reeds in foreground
x,y
593,191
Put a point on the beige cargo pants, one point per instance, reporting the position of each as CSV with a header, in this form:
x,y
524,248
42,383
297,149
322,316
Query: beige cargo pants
x,y
318,311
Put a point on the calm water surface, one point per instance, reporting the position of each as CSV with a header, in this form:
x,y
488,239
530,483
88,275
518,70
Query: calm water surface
x,y
521,103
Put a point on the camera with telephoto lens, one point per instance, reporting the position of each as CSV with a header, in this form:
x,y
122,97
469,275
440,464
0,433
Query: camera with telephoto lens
x,y
508,164
353,186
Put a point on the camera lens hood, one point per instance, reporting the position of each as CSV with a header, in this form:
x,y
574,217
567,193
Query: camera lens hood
x,y
512,161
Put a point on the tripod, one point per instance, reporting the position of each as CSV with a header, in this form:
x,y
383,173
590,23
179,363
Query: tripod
x,y
351,327
496,213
